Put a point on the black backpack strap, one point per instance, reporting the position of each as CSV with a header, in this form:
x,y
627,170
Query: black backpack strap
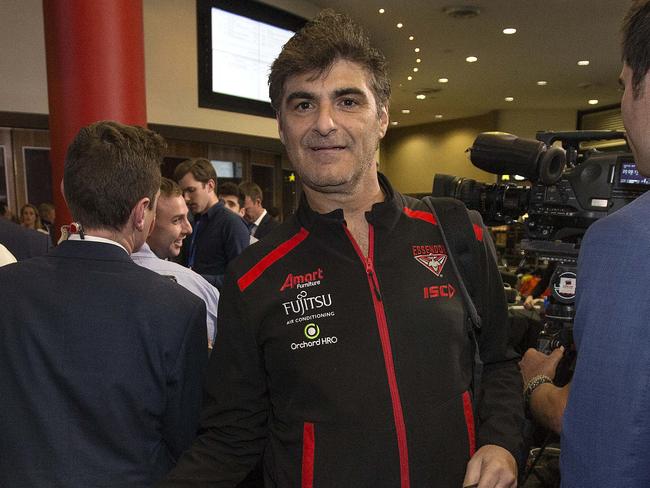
x,y
465,256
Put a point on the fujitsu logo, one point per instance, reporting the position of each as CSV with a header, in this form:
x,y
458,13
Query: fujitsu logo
x,y
304,303
432,257
303,280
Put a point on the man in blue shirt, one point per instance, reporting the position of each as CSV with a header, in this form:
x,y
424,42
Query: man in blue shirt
x,y
219,235
165,242
607,423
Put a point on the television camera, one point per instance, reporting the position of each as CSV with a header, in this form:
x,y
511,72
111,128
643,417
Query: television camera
x,y
570,188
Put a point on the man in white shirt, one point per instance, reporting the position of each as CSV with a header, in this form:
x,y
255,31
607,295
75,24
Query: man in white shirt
x,y
165,242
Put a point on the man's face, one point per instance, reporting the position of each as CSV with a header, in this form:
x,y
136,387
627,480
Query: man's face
x,y
330,126
198,195
171,227
252,209
232,203
636,119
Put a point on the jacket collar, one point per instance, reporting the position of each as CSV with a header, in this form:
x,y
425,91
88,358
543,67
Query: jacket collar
x,y
383,214
90,250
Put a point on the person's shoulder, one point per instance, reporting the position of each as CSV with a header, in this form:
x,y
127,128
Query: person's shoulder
x,y
274,245
631,221
163,288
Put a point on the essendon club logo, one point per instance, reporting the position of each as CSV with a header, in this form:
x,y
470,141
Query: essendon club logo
x,y
433,262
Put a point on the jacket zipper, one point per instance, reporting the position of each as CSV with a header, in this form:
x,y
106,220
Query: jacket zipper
x,y
382,325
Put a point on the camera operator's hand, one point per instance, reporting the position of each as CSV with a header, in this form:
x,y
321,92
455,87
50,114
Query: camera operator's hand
x,y
531,303
535,363
491,467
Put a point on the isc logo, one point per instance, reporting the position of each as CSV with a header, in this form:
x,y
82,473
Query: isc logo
x,y
437,291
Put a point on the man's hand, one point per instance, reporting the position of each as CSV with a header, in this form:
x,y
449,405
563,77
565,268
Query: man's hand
x,y
491,467
531,303
535,363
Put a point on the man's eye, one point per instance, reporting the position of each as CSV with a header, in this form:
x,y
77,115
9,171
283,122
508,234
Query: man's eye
x,y
303,106
349,102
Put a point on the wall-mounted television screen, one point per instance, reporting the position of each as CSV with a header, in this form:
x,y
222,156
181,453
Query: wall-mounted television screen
x,y
237,42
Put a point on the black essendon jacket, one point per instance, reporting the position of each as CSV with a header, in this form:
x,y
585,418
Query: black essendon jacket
x,y
346,371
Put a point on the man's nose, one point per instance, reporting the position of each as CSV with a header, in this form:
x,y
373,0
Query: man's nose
x,y
186,228
325,122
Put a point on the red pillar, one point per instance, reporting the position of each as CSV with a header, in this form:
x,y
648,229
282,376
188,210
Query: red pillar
x,y
95,71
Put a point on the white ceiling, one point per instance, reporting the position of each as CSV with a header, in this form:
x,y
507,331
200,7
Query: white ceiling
x,y
552,35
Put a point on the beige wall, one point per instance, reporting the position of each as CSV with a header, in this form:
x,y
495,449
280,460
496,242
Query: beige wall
x,y
410,156
525,123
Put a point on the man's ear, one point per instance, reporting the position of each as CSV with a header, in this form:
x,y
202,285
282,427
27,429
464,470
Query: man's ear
x,y
278,118
212,185
139,212
383,121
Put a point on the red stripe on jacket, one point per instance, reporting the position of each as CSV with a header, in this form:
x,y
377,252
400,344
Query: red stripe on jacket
x,y
469,421
278,253
419,214
308,451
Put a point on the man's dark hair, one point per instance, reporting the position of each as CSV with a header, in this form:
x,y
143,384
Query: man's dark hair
x,y
201,169
636,42
327,38
252,190
231,189
169,188
108,168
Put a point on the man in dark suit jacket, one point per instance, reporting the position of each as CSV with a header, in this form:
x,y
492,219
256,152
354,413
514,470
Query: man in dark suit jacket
x,y
101,360
259,220
23,243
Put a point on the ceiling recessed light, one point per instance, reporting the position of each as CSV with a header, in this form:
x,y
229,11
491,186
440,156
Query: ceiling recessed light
x,y
417,49
421,96
471,59
509,30
381,10
409,77
406,111
418,60
415,70
593,102
583,62
394,122
411,38
400,25
438,116
509,99
542,82
443,80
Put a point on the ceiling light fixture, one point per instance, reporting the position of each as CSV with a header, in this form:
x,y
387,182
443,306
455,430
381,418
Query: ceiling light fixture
x,y
415,70
509,31
421,96
411,38
400,25
406,111
542,82
381,10
509,99
409,77
471,59
438,116
584,62
443,80
418,60
417,49
394,122
593,101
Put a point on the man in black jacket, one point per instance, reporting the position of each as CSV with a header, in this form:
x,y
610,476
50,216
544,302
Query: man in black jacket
x,y
344,355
